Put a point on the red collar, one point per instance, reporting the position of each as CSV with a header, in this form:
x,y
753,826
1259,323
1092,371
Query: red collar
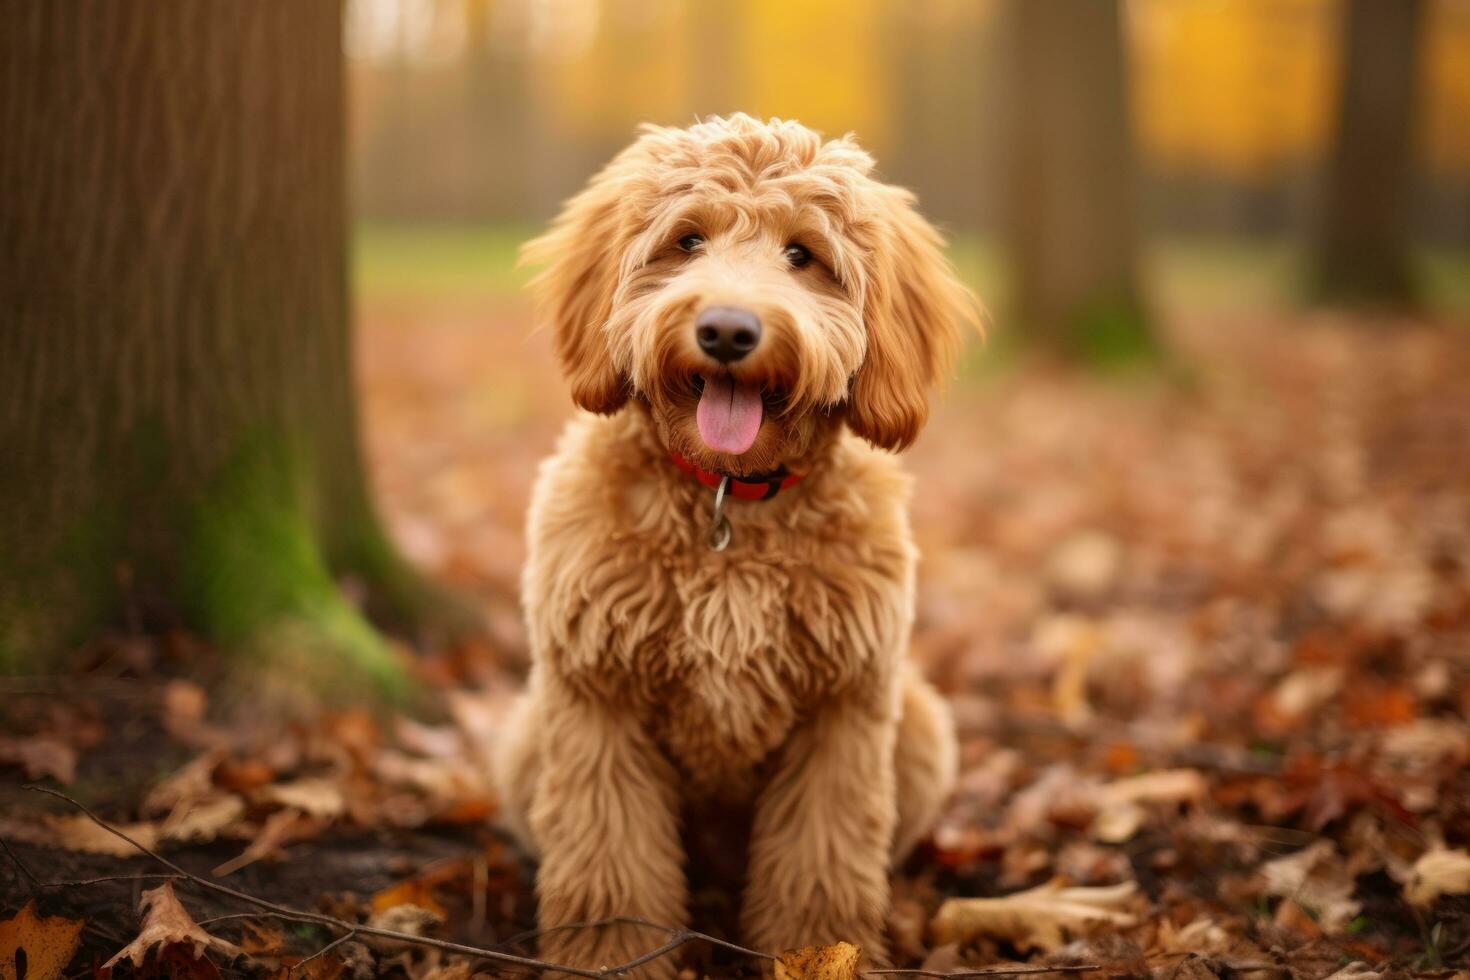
x,y
761,488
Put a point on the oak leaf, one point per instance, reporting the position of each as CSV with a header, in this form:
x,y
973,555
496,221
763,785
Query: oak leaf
x,y
1038,918
167,924
836,962
45,945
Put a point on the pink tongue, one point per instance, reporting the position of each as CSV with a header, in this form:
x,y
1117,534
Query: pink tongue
x,y
729,415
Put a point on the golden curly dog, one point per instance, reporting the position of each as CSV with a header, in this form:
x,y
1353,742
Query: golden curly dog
x,y
737,299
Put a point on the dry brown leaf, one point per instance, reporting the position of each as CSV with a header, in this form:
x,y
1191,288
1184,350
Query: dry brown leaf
x,y
1202,935
836,962
1120,804
40,756
1165,786
317,796
259,939
279,829
1438,871
411,919
185,706
1316,878
44,944
1304,691
1073,642
78,832
193,782
1038,918
203,819
1428,741
166,923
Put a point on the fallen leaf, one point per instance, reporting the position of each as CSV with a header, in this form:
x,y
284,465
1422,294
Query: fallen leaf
x,y
1202,935
44,945
192,782
258,939
1120,804
836,962
1317,879
1085,565
1373,707
420,890
1304,691
40,756
244,775
1037,918
78,832
203,820
316,796
167,924
1165,786
1428,741
328,967
1073,642
185,706
1438,871
413,920
279,829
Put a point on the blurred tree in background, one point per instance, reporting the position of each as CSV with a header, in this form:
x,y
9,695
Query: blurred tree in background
x,y
1073,221
1232,105
1363,253
179,427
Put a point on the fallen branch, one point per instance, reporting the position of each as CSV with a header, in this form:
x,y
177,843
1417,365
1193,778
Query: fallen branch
x,y
351,930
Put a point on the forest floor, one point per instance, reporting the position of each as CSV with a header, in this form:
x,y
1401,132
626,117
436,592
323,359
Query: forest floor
x,y
1207,637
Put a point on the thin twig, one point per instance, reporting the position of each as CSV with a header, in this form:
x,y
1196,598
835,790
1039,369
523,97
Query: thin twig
x,y
345,937
676,937
296,915
15,858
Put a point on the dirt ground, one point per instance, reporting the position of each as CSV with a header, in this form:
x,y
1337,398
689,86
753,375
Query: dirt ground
x,y
1206,632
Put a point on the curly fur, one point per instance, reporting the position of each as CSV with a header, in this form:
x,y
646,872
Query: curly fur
x,y
772,675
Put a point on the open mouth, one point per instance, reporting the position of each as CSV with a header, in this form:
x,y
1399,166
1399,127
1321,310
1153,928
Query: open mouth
x,y
729,414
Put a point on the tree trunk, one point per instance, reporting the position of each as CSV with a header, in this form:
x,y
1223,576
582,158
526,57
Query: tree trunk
x,y
1363,251
176,405
1074,237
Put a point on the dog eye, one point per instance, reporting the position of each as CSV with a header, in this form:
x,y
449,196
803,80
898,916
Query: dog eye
x,y
797,255
691,242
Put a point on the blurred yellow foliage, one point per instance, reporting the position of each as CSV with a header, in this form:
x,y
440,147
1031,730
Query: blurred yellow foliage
x,y
1239,90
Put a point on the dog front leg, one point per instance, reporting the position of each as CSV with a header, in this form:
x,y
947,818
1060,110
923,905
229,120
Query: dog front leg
x,y
819,851
605,817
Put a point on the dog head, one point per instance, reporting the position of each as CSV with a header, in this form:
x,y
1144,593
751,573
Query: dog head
x,y
755,287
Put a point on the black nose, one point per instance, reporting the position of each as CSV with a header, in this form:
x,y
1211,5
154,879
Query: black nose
x,y
727,333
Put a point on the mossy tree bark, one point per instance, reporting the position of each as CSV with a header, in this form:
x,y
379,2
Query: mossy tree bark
x,y
176,406
1073,223
1363,249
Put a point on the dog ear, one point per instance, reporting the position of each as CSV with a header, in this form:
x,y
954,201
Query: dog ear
x,y
575,288
914,313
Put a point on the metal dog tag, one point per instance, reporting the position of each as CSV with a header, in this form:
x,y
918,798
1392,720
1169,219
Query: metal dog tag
x,y
719,532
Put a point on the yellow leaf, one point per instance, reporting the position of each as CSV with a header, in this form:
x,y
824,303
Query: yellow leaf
x,y
44,945
1037,918
836,962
